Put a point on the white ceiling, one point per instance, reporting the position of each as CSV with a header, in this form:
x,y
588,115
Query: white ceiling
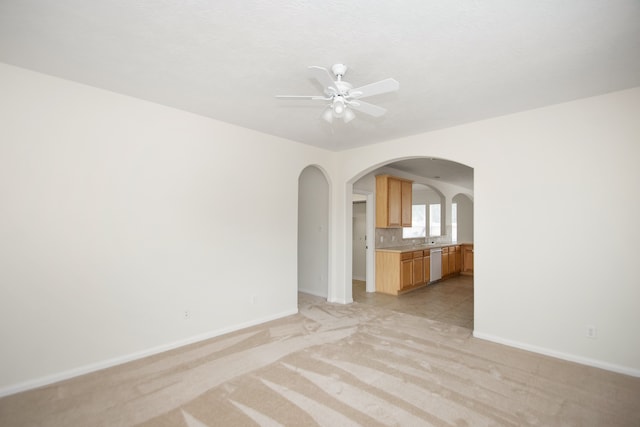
x,y
457,61
439,170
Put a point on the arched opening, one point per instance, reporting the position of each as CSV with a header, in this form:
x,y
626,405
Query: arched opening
x,y
443,196
313,232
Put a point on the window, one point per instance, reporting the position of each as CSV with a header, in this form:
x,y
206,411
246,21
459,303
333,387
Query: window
x,y
434,220
454,222
418,223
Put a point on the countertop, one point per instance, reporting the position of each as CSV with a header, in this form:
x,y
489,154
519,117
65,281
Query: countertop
x,y
411,248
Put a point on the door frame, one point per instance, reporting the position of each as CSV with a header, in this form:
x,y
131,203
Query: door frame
x,y
370,265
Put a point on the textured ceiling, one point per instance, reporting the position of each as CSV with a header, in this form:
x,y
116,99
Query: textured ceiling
x,y
456,61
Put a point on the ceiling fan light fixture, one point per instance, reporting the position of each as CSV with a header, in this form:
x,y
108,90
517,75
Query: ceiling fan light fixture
x,y
328,115
338,106
348,115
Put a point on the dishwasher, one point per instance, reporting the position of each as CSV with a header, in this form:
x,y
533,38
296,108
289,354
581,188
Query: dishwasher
x,y
436,265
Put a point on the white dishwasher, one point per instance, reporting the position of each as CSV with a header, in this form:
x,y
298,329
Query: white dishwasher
x,y
436,265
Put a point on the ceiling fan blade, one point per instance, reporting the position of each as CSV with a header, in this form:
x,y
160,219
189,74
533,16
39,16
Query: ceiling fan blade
x,y
312,97
383,86
324,77
365,107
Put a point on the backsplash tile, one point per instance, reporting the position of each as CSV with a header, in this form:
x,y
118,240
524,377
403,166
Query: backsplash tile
x,y
392,237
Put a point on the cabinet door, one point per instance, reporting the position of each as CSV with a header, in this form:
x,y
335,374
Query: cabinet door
x,y
452,260
407,197
468,259
445,263
406,273
418,271
394,202
458,260
427,269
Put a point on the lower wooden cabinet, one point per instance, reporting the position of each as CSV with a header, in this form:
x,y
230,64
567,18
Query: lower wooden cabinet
x,y
458,263
455,260
445,262
418,268
406,271
451,261
467,259
398,272
427,265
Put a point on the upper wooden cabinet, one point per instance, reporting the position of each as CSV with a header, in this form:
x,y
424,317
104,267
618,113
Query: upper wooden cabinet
x,y
393,202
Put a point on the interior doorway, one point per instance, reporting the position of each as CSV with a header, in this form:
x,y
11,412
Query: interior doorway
x,y
313,232
363,231
359,240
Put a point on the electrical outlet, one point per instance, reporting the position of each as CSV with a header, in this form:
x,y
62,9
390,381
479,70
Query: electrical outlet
x,y
592,332
186,315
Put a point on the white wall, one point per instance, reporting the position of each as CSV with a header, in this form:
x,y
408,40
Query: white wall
x,y
465,218
556,230
116,215
424,195
313,232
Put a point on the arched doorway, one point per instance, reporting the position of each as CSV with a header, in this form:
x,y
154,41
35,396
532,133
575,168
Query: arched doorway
x,y
440,187
313,232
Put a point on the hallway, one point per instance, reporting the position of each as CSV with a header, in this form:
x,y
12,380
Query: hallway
x,y
449,301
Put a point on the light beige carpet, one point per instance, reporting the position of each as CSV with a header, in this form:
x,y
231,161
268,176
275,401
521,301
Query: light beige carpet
x,y
334,365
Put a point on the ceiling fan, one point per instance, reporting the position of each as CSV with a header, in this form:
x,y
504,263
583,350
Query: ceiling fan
x,y
343,97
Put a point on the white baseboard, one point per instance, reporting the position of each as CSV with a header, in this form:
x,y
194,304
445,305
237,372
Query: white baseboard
x,y
560,355
313,292
334,300
92,367
342,301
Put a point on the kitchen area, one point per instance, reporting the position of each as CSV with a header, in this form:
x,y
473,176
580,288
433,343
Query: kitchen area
x,y
423,248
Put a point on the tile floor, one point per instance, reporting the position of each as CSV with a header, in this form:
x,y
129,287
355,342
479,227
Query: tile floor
x,y
449,301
